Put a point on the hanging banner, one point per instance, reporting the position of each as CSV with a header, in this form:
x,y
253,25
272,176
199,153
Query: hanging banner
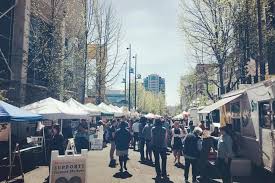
x,y
69,168
4,132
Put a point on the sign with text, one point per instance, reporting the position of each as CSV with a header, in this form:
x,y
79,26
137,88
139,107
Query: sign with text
x,y
96,144
4,131
69,168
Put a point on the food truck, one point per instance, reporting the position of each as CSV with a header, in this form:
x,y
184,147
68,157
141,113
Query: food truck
x,y
251,112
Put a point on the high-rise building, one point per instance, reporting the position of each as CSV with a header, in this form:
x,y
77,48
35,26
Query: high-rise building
x,y
154,83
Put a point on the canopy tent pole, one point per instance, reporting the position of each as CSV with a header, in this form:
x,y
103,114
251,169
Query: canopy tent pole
x,y
61,126
10,148
44,144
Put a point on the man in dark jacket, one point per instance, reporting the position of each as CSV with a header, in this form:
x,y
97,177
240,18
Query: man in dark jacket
x,y
142,138
122,141
112,132
159,145
192,147
56,143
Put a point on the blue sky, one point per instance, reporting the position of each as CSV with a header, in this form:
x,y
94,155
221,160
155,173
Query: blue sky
x,y
151,26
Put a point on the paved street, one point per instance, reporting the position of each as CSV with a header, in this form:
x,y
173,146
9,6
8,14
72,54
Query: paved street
x,y
99,172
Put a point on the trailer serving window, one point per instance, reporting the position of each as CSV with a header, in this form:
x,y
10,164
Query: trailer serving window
x,y
264,114
235,116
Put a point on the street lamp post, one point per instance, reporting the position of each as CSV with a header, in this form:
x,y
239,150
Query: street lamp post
x,y
129,97
125,81
135,57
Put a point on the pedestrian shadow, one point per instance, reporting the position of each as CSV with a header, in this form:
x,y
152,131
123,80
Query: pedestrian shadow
x,y
162,180
147,163
122,175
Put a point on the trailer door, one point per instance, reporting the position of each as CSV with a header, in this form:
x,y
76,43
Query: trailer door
x,y
266,133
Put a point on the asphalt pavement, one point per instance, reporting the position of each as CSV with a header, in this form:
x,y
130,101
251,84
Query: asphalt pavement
x,y
98,171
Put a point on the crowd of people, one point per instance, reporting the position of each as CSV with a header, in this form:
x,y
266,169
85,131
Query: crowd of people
x,y
209,154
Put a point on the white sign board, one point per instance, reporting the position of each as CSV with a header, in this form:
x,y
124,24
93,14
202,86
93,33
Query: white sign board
x,y
96,144
69,168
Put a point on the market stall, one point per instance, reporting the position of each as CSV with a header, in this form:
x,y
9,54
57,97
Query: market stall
x,y
150,116
111,110
53,109
12,114
178,117
72,103
104,112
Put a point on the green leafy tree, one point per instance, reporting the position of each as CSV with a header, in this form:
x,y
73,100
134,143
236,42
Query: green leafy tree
x,y
149,102
208,25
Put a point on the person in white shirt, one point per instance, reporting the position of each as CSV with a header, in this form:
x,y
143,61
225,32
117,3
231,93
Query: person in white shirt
x,y
135,129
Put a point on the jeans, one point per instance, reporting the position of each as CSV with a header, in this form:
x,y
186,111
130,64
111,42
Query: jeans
x,y
148,150
112,150
189,162
135,141
141,148
160,152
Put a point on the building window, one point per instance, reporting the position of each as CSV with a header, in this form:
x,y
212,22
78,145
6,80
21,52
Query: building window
x,y
39,52
264,115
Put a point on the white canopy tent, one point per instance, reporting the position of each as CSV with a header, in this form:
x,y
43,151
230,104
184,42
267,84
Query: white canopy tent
x,y
178,117
72,103
115,108
125,110
111,109
102,111
53,109
150,116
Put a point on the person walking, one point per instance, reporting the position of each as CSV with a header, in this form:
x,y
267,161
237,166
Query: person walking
x,y
203,165
56,144
192,148
177,135
81,138
112,131
202,125
141,138
122,141
190,127
225,154
147,133
159,146
135,129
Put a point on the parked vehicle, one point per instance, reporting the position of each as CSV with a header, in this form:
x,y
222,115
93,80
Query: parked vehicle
x,y
251,111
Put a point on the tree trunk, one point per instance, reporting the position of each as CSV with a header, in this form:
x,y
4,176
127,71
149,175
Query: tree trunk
x,y
222,90
260,41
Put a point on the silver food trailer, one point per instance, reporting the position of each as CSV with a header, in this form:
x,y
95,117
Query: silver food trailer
x,y
251,112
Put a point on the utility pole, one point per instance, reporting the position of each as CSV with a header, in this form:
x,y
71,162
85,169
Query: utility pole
x,y
125,82
129,97
135,57
85,56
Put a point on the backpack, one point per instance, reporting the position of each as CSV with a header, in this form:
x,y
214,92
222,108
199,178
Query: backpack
x,y
108,135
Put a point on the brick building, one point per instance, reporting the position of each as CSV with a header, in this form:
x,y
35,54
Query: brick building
x,y
43,49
